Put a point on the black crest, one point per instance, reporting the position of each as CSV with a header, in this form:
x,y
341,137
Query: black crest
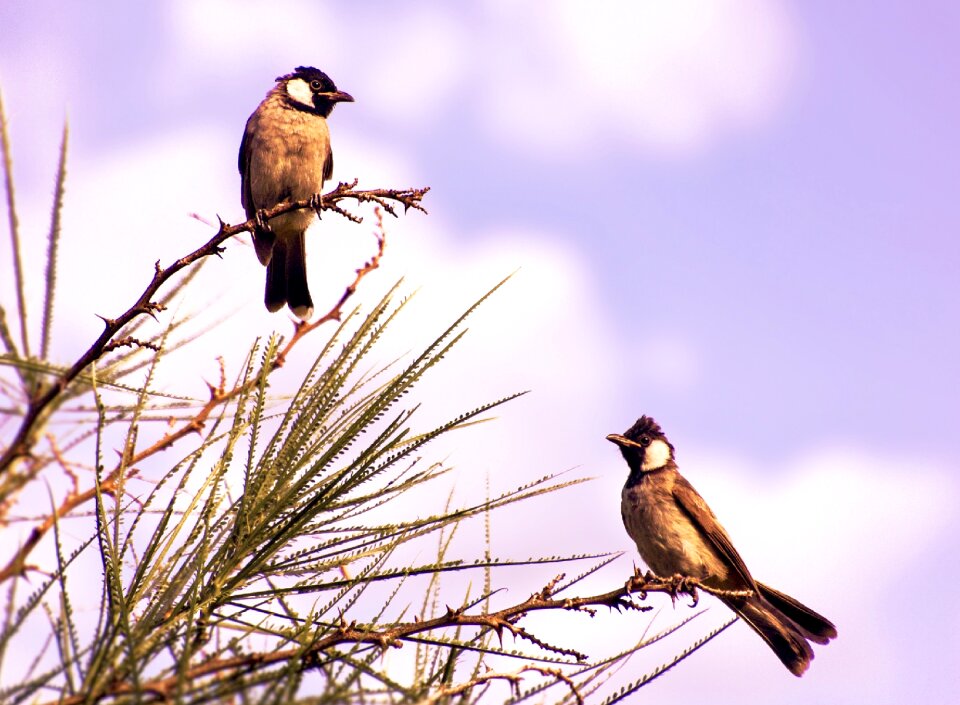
x,y
308,74
645,426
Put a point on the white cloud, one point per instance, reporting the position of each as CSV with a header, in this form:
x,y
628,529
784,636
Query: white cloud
x,y
672,78
416,60
668,78
404,67
832,507
233,35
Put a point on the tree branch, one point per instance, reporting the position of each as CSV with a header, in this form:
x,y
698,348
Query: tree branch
x,y
352,633
24,438
17,565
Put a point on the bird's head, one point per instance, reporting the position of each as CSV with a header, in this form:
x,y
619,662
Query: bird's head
x,y
644,446
311,89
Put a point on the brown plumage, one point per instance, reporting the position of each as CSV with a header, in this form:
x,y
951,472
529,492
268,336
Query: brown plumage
x,y
677,534
285,155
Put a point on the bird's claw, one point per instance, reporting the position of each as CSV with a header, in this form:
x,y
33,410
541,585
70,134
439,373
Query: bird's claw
x,y
684,584
316,202
261,218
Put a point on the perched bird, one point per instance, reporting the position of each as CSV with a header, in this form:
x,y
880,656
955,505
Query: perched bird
x,y
677,534
285,155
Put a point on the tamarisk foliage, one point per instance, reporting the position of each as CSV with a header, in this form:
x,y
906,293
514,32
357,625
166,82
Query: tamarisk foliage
x,y
264,548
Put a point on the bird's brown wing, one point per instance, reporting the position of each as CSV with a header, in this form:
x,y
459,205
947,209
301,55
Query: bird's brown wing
x,y
700,515
243,164
263,240
328,166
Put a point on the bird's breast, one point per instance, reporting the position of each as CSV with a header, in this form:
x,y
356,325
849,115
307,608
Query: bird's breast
x,y
288,151
666,539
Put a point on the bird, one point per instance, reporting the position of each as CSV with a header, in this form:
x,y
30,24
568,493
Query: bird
x,y
677,534
285,155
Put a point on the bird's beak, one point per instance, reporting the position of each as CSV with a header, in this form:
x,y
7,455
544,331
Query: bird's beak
x,y
622,441
336,97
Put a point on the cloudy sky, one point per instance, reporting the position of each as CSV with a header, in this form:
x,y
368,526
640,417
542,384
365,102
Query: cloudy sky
x,y
738,217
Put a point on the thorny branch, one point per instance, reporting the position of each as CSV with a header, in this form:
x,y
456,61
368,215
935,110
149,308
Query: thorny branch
x,y
386,199
393,637
17,565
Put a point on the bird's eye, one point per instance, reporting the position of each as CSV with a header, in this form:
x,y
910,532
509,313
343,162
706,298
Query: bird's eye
x,y
315,85
644,441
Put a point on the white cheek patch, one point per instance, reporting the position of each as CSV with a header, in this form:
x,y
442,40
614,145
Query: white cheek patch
x,y
299,90
656,456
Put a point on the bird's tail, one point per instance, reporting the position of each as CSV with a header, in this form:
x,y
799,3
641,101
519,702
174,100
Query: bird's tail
x,y
812,625
785,625
275,294
287,277
298,294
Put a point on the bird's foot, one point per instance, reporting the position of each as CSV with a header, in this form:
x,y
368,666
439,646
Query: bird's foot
x,y
262,223
316,202
684,584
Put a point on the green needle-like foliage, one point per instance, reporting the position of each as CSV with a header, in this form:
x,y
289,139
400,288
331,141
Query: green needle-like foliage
x,y
290,548
268,534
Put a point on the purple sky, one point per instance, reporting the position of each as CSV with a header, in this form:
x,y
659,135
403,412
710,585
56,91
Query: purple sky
x,y
738,217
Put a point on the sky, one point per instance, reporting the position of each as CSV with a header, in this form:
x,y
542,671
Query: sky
x,y
738,217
